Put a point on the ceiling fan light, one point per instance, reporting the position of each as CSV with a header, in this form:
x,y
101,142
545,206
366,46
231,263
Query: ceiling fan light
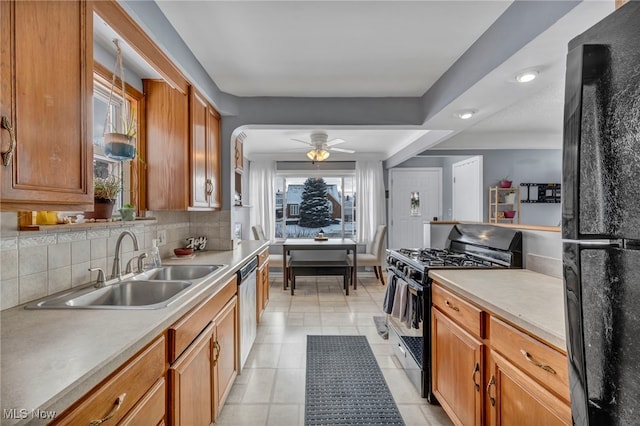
x,y
323,155
318,154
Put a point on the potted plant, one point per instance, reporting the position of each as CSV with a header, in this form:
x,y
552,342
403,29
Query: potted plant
x,y
128,213
119,142
105,191
505,182
510,197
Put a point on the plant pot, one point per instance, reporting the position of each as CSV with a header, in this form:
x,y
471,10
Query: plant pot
x,y
102,209
128,214
510,198
505,184
119,146
509,214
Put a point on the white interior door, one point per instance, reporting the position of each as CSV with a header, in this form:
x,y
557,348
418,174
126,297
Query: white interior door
x,y
467,190
415,197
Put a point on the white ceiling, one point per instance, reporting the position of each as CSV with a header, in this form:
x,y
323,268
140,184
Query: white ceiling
x,y
380,48
329,48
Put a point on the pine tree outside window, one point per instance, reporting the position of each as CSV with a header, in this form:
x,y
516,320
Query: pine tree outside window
x,y
305,205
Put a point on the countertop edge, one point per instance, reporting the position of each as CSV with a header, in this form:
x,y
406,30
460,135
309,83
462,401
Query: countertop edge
x,y
64,398
523,323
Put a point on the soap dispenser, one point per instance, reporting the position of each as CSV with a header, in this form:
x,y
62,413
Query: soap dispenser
x,y
156,262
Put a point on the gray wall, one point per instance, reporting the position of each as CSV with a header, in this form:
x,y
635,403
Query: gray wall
x,y
521,165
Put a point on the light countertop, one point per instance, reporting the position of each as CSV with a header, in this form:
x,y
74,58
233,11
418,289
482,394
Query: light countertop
x,y
532,301
51,358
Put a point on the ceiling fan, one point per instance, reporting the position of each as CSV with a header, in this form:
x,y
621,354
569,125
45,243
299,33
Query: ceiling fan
x,y
320,146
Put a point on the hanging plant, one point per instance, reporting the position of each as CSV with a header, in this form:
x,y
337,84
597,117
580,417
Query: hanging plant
x,y
119,140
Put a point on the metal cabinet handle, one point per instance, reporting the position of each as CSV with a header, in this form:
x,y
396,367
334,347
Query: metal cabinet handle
x,y
529,358
449,305
216,347
492,399
6,156
116,406
473,376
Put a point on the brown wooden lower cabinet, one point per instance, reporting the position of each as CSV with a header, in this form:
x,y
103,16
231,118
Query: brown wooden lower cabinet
x,y
131,389
457,360
262,283
151,409
191,381
225,352
497,375
516,399
202,375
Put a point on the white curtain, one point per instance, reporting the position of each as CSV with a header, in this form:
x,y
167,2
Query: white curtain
x,y
262,199
370,201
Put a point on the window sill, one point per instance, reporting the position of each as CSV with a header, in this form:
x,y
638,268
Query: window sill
x,y
100,223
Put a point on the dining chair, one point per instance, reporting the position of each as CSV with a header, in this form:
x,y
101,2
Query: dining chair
x,y
375,258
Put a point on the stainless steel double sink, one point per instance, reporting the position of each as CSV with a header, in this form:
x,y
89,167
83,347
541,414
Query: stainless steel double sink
x,y
152,289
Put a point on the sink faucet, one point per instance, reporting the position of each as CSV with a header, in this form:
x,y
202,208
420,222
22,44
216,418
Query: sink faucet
x,y
115,271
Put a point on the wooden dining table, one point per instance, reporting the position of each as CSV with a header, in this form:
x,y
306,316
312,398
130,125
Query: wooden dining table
x,y
294,244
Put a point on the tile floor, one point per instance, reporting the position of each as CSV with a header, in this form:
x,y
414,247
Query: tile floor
x,y
271,388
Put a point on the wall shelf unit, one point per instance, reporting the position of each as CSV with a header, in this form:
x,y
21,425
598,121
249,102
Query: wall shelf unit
x,y
503,200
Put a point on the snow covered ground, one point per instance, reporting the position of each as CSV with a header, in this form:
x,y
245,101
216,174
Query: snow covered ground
x,y
334,230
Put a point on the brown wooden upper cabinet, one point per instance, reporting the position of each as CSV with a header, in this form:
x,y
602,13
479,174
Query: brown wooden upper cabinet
x,y
167,146
239,156
46,82
205,153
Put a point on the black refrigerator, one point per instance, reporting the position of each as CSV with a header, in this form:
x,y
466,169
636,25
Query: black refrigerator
x,y
601,220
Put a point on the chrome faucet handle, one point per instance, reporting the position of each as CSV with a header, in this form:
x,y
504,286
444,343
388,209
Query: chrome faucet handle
x,y
129,269
140,264
100,280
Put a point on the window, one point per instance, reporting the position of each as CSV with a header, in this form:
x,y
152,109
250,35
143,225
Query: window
x,y
307,204
103,166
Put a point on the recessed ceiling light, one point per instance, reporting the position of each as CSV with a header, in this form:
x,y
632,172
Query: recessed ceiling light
x,y
465,115
526,76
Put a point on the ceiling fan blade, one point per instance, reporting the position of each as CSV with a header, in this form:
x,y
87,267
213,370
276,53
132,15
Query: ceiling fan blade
x,y
348,151
335,141
304,142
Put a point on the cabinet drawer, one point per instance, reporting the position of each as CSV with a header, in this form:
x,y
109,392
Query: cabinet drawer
x,y
263,257
464,313
133,381
183,332
541,362
151,410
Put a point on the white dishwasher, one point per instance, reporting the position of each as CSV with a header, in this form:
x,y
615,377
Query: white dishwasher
x,y
247,308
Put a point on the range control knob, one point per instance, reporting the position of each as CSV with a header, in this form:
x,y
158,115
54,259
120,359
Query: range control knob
x,y
416,275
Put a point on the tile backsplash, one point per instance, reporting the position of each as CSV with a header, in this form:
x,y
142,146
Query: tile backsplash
x,y
34,264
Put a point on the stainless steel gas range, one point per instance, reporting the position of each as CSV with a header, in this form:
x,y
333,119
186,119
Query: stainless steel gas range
x,y
408,298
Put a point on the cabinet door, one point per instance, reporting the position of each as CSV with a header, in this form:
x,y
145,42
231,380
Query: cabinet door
x,y
516,399
259,292
214,155
167,146
47,84
239,156
457,359
265,285
198,115
226,351
191,381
